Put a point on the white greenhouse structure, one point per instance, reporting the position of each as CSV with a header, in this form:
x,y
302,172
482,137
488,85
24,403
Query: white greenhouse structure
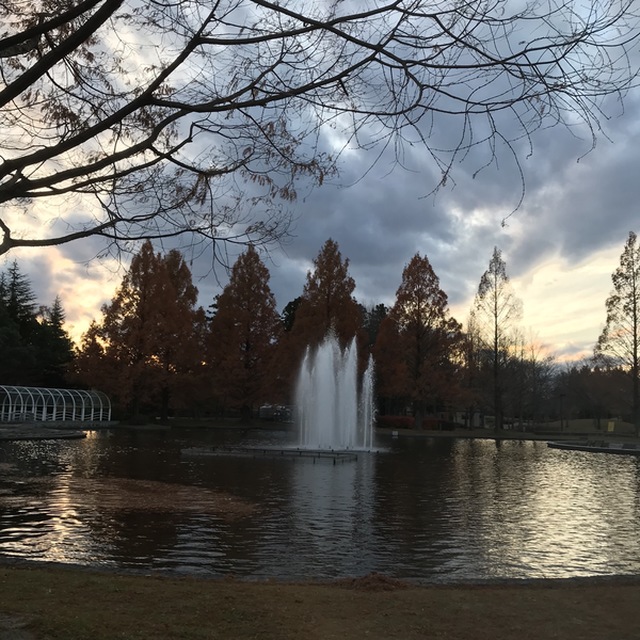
x,y
36,404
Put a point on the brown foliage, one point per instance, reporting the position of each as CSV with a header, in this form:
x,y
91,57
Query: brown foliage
x,y
327,301
417,347
243,335
327,305
148,347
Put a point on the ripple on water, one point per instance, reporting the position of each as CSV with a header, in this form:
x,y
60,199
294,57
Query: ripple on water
x,y
444,510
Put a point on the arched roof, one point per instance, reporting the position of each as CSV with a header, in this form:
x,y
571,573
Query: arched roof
x,y
38,404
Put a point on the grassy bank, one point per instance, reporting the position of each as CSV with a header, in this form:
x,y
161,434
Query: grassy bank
x,y
54,603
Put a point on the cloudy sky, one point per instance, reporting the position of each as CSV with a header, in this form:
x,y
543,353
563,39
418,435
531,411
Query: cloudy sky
x,y
560,245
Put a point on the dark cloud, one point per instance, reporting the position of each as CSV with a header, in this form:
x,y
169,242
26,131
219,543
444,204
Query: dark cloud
x,y
382,216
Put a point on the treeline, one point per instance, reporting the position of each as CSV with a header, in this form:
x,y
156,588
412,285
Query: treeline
x,y
156,352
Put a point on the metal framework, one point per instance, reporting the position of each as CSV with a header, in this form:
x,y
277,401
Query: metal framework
x,y
36,404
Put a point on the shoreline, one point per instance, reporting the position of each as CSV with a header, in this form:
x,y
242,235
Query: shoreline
x,y
39,431
350,581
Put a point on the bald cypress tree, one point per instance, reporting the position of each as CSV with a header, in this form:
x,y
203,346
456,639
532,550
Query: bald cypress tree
x,y
243,336
619,342
495,311
327,300
426,343
150,338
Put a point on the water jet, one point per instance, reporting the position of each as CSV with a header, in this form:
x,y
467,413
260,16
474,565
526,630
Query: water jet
x,y
335,410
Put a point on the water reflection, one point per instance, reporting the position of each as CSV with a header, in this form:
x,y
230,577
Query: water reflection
x,y
427,509
332,514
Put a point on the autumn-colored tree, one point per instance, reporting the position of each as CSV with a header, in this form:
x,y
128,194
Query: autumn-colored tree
x,y
428,339
327,300
495,312
391,380
150,339
326,305
243,335
96,366
620,339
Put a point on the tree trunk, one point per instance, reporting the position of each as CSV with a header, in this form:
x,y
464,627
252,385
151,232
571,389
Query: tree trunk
x,y
164,405
246,413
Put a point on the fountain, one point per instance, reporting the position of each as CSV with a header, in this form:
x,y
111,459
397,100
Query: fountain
x,y
332,414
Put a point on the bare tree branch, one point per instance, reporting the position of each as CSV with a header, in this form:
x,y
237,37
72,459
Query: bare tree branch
x,y
195,118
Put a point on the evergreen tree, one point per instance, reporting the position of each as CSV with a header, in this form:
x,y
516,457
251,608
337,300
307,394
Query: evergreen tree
x,y
35,349
288,316
55,347
19,301
372,319
17,360
18,327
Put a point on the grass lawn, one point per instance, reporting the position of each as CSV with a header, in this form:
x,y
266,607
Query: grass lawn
x,y
49,603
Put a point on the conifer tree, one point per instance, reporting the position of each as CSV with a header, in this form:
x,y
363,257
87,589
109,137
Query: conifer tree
x,y
243,336
17,360
327,301
150,336
326,305
35,349
495,311
428,340
18,327
55,347
19,300
619,342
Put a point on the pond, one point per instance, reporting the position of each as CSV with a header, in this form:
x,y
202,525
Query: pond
x,y
429,510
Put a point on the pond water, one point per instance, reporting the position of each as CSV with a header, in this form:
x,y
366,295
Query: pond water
x,y
430,510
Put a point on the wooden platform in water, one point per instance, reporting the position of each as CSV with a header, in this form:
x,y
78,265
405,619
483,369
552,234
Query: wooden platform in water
x,y
598,446
314,455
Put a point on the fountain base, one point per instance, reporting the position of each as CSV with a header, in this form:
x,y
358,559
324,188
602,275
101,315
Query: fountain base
x,y
314,455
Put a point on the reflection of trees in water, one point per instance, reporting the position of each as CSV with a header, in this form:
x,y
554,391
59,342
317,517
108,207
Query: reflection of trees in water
x,y
332,507
426,509
545,513
485,508
412,503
